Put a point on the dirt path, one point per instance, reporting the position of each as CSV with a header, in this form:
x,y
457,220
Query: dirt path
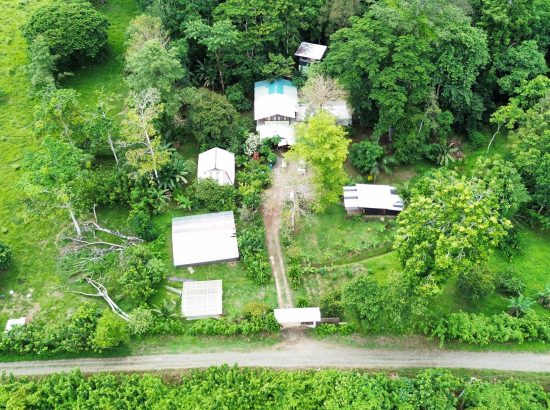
x,y
296,352
274,200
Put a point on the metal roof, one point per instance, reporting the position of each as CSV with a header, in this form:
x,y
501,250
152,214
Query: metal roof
x,y
372,197
11,323
282,129
218,164
201,299
279,97
311,51
206,238
339,108
297,315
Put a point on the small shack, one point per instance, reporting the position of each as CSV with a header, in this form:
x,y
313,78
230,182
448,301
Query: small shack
x,y
218,164
308,53
11,323
275,108
206,238
294,317
201,299
370,199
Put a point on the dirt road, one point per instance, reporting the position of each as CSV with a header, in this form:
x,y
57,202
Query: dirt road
x,y
296,354
274,200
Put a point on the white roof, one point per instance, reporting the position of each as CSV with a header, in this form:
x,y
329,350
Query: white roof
x,y
339,108
218,164
206,238
201,299
310,50
282,129
14,322
372,197
297,315
278,97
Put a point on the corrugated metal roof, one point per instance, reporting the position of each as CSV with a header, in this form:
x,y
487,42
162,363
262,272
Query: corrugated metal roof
x,y
310,50
201,299
218,164
297,315
372,197
206,238
279,97
282,129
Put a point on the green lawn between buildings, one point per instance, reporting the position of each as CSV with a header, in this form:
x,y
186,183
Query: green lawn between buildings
x,y
342,259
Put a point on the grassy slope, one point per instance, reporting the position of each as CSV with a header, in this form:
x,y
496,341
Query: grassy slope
x,y
32,239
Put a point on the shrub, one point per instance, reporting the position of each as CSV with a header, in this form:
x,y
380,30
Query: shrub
x,y
477,139
229,327
476,284
511,244
5,256
519,306
251,238
208,195
236,97
255,309
509,283
479,329
141,223
75,31
141,272
111,331
362,296
365,154
344,329
141,321
295,275
331,303
543,297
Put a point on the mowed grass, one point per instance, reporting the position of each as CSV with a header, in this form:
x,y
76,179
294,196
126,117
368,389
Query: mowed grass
x,y
32,238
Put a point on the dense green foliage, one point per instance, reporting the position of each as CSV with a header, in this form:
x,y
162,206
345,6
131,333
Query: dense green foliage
x,y
226,387
410,69
364,155
479,329
5,256
207,194
74,30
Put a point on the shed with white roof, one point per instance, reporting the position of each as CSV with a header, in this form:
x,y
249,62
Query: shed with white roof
x,y
218,164
372,199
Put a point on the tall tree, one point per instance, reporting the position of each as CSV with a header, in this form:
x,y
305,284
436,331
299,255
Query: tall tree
x,y
100,126
450,226
56,175
145,152
409,68
324,146
153,66
218,39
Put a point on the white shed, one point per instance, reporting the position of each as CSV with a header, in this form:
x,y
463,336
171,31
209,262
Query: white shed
x,y
309,52
206,238
372,199
292,317
218,164
11,323
201,299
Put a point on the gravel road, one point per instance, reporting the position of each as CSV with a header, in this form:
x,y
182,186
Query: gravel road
x,y
301,354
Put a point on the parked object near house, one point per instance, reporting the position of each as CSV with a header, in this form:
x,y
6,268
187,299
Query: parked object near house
x,y
294,317
275,108
11,323
206,238
201,299
308,53
339,108
371,199
218,164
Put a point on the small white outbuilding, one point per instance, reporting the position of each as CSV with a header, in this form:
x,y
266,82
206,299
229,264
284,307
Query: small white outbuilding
x,y
201,299
218,164
292,317
308,53
206,238
372,199
11,323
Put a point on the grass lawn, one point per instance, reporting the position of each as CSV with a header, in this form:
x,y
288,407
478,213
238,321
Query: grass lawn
x,y
335,238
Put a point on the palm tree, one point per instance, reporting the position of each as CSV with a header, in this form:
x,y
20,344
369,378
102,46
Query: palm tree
x,y
543,297
405,191
520,305
168,309
384,164
444,154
